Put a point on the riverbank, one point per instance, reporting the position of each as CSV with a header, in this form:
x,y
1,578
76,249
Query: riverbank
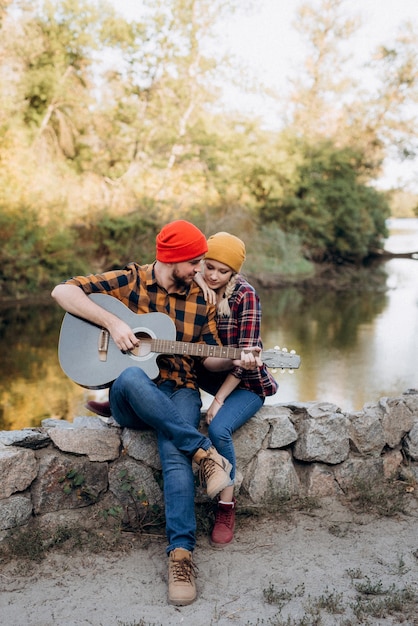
x,y
327,276
338,277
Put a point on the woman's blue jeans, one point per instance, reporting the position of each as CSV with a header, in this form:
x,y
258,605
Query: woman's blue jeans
x,y
175,414
237,409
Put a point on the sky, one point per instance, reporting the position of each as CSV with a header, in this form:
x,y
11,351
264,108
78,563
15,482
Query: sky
x,y
269,45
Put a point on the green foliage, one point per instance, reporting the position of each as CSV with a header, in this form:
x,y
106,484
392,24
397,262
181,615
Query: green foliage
x,y
75,483
33,256
273,251
141,516
336,216
116,124
403,203
112,241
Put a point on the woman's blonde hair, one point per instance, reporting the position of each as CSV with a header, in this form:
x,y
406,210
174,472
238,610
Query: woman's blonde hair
x,y
223,307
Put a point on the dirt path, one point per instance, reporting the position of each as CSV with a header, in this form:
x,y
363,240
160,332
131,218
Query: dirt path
x,y
326,568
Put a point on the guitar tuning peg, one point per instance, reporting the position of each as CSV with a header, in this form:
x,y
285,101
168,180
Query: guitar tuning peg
x,y
291,372
284,350
293,352
274,371
277,347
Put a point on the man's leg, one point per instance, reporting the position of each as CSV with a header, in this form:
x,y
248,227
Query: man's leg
x,y
136,399
179,483
179,492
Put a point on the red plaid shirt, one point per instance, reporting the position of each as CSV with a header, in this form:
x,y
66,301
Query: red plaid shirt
x,y
242,330
137,288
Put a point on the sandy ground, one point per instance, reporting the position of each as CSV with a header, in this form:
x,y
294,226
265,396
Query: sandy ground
x,y
308,565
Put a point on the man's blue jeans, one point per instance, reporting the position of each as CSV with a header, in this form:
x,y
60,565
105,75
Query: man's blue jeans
x,y
237,409
175,415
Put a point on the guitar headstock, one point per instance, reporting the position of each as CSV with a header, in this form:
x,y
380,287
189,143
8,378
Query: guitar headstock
x,y
280,359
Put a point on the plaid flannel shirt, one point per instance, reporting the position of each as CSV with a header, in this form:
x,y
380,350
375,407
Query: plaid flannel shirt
x,y
242,330
137,288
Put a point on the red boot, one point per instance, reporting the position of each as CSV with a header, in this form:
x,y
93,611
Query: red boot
x,y
223,530
101,408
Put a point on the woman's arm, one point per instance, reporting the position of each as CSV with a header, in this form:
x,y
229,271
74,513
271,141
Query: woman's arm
x,y
227,387
209,294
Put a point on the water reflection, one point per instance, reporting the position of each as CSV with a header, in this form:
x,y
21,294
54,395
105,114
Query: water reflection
x,y
356,346
326,328
32,385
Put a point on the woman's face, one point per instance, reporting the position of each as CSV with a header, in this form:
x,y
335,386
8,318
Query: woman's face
x,y
216,274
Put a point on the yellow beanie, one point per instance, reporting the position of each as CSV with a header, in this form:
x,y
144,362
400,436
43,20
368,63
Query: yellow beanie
x,y
227,249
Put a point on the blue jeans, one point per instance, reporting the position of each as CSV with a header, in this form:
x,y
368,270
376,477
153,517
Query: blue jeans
x,y
237,409
175,414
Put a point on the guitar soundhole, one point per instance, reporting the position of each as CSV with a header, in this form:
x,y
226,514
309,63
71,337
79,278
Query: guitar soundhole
x,y
144,347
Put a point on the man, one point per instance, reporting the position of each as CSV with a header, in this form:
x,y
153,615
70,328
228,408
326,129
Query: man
x,y
171,404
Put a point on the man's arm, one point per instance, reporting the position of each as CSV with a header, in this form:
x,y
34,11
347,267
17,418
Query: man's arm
x,y
73,299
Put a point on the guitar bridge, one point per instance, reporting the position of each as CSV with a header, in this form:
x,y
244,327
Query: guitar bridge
x,y
103,344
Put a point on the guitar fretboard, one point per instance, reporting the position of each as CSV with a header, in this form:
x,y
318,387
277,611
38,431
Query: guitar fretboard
x,y
165,346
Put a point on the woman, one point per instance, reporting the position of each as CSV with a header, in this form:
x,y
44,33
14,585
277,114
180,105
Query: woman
x,y
240,393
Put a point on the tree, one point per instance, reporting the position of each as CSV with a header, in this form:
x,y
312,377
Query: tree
x,y
157,97
337,217
329,102
322,88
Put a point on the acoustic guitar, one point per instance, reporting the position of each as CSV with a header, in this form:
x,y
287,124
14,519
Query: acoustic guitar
x,y
88,355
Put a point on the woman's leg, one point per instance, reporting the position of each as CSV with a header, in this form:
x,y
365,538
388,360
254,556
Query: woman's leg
x,y
237,409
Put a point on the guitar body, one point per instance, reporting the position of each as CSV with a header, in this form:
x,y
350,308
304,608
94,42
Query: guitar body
x,y
79,339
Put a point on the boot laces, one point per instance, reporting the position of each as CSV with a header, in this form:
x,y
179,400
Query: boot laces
x,y
207,468
225,516
184,570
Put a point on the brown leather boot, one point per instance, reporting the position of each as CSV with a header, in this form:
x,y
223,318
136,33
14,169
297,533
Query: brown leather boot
x,y
223,530
214,470
181,577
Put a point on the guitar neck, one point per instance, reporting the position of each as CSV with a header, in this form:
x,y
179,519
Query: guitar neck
x,y
166,346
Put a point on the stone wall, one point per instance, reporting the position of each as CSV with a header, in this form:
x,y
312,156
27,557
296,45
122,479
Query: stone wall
x,y
301,449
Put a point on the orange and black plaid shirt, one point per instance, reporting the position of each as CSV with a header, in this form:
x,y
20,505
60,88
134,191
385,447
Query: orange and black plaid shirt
x,y
137,288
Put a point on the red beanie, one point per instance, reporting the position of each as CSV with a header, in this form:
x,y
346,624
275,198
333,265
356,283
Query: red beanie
x,y
180,241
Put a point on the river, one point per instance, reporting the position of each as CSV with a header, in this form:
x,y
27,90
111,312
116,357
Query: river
x,y
356,346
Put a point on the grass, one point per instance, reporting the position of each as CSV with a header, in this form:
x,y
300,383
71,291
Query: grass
x,y
281,504
399,603
385,498
35,543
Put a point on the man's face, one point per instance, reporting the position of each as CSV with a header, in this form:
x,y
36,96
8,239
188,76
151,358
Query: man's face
x,y
184,272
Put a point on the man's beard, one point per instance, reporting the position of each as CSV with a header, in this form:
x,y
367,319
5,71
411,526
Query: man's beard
x,y
181,283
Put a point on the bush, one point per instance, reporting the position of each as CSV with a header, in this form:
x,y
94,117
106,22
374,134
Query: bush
x,y
33,257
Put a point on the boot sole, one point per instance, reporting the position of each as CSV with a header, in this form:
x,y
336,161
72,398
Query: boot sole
x,y
181,602
220,546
